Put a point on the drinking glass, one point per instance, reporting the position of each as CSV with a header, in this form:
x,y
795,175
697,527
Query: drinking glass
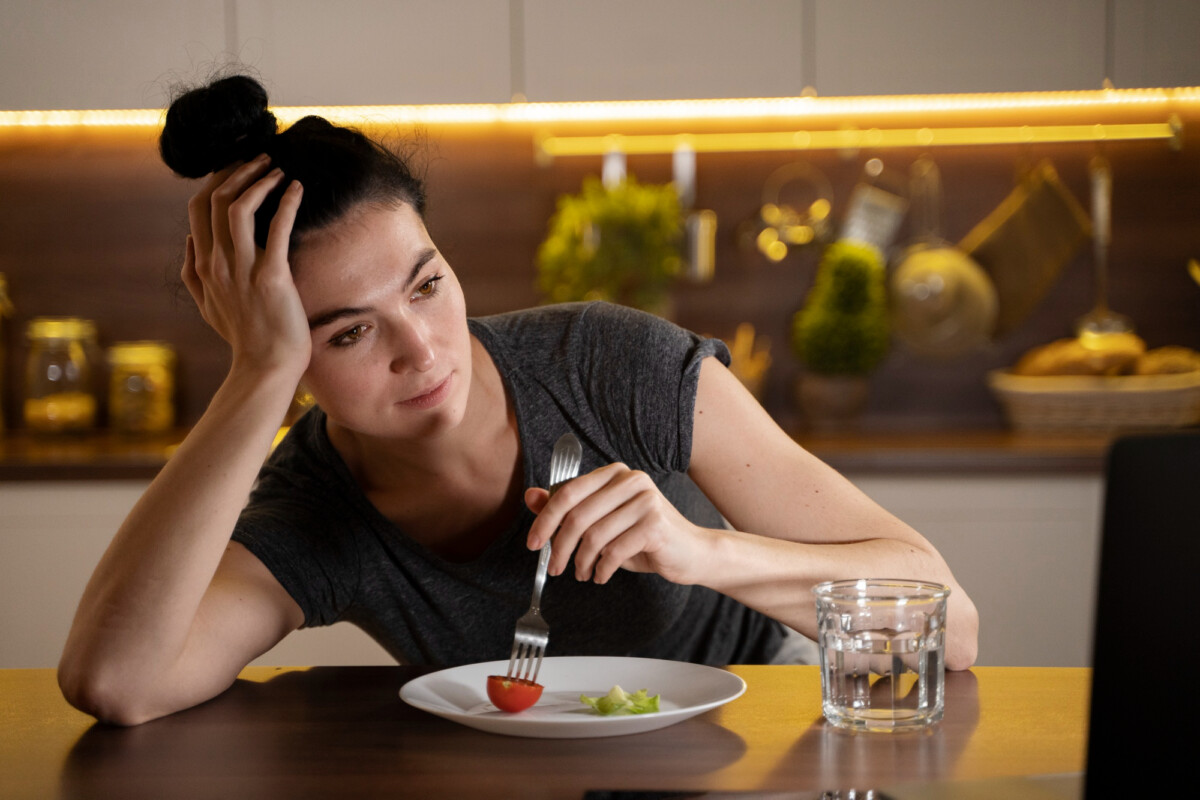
x,y
882,652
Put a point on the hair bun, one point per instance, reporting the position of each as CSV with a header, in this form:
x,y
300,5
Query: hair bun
x,y
211,127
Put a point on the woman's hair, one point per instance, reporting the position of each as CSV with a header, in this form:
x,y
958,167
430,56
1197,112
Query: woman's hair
x,y
228,121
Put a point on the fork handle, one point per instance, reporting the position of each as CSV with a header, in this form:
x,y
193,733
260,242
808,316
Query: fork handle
x,y
539,578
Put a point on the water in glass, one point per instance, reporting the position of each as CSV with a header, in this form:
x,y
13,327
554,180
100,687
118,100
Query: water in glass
x,y
882,645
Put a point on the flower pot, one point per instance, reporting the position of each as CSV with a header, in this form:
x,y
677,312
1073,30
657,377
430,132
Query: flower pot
x,y
831,402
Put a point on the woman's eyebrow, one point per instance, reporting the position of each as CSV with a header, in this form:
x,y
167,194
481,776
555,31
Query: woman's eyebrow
x,y
423,258
327,317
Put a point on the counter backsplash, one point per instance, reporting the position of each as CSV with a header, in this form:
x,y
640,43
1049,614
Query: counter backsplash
x,y
94,227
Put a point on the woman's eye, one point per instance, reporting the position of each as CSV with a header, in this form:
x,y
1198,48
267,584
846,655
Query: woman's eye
x,y
347,338
429,287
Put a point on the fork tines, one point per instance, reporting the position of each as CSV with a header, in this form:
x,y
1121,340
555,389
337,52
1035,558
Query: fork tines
x,y
526,660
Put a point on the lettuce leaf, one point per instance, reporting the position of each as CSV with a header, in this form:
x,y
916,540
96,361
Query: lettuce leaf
x,y
618,701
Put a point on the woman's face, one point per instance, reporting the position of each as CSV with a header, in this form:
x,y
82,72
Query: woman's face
x,y
391,353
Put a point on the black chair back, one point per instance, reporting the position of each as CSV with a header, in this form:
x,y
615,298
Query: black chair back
x,y
1147,629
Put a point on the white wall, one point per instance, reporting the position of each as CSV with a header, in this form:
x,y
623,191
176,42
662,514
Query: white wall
x,y
130,53
51,538
1024,547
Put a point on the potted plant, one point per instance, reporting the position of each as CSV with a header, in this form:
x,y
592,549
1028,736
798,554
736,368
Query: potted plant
x,y
841,334
620,244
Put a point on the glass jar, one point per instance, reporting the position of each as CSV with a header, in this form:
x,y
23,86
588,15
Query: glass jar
x,y
6,311
141,387
59,375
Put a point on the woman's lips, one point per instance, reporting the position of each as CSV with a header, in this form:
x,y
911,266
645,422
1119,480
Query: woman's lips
x,y
431,398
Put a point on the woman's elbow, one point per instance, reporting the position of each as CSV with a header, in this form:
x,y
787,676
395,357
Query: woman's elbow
x,y
962,656
101,693
962,638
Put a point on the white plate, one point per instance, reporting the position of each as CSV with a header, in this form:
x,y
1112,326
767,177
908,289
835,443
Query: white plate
x,y
685,690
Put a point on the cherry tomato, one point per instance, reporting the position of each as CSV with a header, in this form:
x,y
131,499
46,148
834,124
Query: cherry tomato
x,y
512,694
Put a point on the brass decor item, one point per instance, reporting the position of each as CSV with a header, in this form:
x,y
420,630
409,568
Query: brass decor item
x,y
141,387
59,375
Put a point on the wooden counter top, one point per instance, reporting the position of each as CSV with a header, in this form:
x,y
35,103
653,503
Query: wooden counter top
x,y
344,732
106,456
92,457
958,451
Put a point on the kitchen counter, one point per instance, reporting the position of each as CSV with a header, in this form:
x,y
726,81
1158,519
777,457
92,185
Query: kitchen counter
x,y
90,457
106,456
959,451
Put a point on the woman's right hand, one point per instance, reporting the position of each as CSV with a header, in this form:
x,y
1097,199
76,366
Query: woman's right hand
x,y
246,293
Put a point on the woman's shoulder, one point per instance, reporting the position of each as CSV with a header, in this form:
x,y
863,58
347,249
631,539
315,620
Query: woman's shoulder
x,y
303,467
570,323
537,318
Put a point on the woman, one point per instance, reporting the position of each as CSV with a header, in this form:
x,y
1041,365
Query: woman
x,y
409,500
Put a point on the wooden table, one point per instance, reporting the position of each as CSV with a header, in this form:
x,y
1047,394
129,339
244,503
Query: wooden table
x,y
344,732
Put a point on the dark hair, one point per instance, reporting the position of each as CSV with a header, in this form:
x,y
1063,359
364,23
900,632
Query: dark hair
x,y
228,121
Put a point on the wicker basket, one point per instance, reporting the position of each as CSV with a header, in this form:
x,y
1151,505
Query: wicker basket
x,y
1086,403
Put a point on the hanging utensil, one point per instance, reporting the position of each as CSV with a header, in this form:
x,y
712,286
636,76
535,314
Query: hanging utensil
x,y
1101,319
781,226
1026,242
943,303
699,225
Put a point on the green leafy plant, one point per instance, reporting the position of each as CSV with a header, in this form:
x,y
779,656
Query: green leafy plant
x,y
620,244
843,327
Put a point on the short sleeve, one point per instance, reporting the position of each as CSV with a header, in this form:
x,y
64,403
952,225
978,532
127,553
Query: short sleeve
x,y
641,374
300,529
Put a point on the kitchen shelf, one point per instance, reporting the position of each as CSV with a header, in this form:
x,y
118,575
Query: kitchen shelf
x,y
958,452
84,457
106,456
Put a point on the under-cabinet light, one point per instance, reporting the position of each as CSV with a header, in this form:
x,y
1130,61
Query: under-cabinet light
x,y
853,138
818,122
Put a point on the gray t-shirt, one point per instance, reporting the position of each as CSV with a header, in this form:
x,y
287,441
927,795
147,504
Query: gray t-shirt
x,y
624,383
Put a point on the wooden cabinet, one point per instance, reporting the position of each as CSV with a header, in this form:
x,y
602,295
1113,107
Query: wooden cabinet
x,y
1025,547
115,54
377,52
931,46
130,53
637,50
1154,43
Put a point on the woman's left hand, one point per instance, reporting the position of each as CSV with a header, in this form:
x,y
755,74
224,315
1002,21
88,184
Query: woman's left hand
x,y
614,518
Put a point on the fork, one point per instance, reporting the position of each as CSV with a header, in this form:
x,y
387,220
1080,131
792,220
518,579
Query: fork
x,y
532,634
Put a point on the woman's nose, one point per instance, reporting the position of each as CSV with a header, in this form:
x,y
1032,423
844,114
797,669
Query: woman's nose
x,y
413,349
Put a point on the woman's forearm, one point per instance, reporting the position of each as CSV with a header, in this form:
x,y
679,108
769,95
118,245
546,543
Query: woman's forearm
x,y
140,605
776,577
812,524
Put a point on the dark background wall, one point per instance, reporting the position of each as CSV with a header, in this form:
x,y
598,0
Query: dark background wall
x,y
93,225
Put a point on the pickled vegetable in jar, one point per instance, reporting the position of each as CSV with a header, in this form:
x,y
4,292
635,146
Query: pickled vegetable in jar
x,y
141,388
59,375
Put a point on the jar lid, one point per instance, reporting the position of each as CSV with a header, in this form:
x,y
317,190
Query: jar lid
x,y
60,328
146,351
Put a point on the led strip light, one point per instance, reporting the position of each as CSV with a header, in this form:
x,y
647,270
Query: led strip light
x,y
820,118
